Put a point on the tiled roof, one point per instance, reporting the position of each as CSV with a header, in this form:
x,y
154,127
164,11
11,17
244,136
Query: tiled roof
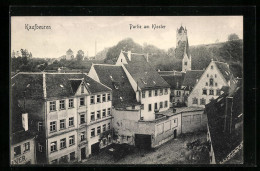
x,y
115,78
224,69
224,142
174,81
143,74
57,85
21,136
191,77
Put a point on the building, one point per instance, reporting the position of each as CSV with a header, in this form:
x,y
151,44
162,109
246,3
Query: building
x,y
209,85
225,127
60,106
141,114
182,50
22,140
179,93
69,55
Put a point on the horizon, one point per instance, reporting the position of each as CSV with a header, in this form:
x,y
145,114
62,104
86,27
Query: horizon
x,y
81,33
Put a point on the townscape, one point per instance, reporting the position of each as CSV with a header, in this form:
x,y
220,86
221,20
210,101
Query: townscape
x,y
128,113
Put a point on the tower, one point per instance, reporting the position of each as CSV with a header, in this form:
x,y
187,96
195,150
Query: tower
x,y
182,48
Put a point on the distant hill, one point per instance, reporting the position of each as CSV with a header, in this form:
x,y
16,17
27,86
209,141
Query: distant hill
x,y
230,52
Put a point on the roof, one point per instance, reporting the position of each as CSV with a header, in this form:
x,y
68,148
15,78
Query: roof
x,y
174,81
191,77
223,142
30,85
144,75
224,70
21,136
180,29
115,78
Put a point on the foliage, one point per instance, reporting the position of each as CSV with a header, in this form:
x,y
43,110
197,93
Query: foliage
x,y
80,55
232,37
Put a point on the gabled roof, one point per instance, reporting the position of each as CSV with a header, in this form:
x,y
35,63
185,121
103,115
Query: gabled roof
x,y
191,77
224,70
115,78
223,142
143,74
174,81
30,85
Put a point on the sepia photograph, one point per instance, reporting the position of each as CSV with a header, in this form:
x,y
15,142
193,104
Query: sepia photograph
x,y
126,90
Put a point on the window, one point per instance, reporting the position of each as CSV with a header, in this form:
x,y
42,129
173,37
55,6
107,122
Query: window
x,y
215,75
104,113
71,103
104,98
40,147
64,159
211,66
207,84
194,100
155,106
54,161
108,97
39,126
202,101
53,106
178,93
54,146
72,156
62,124
161,92
218,92
71,140
216,84
150,93
17,150
62,104
82,101
211,92
98,98
108,126
211,82
207,75
142,106
82,88
143,94
92,100
82,118
161,104
82,136
150,107
185,63
63,143
165,91
53,126
92,132
71,121
109,111
92,116
204,92
104,127
155,92
166,104
98,130
98,114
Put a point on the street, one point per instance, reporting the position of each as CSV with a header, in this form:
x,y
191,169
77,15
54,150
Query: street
x,y
174,151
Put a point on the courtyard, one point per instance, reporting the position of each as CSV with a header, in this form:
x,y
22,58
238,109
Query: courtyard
x,y
189,148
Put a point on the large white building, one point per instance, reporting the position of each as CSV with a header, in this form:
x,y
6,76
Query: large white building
x,y
210,83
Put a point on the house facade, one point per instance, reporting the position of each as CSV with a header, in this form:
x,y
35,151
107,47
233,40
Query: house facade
x,y
59,107
209,85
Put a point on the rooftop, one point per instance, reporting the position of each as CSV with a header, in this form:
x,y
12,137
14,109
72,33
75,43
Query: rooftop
x,y
191,77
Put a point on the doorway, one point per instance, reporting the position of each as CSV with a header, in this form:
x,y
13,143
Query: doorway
x,y
83,153
175,133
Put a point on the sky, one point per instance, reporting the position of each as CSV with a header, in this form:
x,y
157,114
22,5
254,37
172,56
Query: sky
x,y
81,33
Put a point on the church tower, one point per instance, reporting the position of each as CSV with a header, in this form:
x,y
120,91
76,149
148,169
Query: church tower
x,y
182,48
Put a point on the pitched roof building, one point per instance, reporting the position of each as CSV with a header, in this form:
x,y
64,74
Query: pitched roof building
x,y
225,128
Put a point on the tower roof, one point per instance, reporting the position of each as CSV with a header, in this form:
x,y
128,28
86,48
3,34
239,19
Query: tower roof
x,y
180,29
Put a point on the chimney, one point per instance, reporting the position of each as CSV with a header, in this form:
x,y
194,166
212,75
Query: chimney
x,y
25,121
147,57
228,125
129,55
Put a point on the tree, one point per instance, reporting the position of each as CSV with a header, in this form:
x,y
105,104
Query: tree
x,y
232,37
80,55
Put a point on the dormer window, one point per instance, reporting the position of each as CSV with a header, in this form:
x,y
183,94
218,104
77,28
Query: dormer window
x,y
121,60
185,63
211,66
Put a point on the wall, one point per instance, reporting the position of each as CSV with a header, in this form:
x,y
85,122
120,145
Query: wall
x,y
197,91
193,121
186,59
150,115
24,157
121,57
93,74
